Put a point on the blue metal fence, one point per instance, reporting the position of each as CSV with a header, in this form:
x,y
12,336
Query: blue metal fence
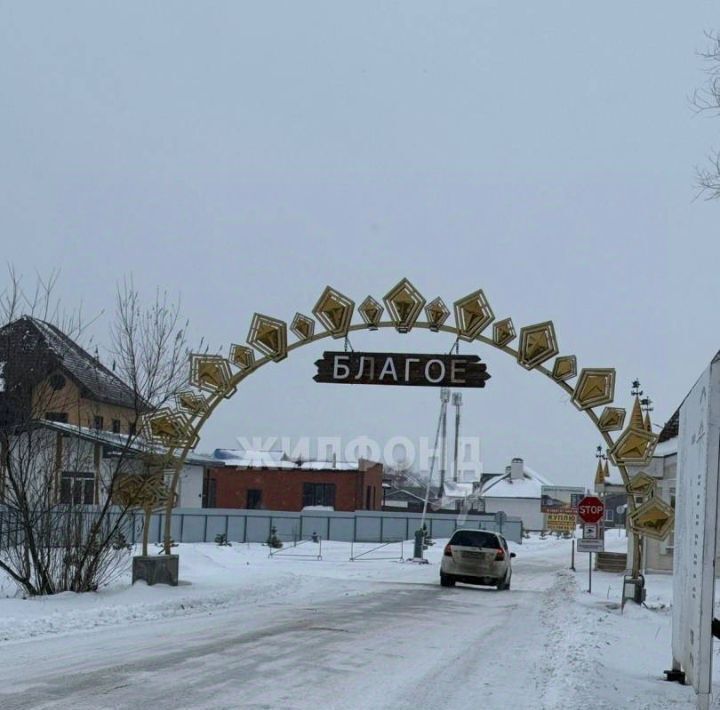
x,y
204,524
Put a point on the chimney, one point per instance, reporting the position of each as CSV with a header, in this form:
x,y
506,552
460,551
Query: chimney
x,y
516,470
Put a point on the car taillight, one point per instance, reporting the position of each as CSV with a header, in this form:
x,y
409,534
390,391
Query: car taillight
x,y
448,551
500,556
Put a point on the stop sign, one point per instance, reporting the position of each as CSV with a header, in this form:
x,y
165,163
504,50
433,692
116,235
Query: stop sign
x,y
591,509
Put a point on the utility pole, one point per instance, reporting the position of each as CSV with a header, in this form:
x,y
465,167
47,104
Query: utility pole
x,y
444,399
457,403
442,421
637,541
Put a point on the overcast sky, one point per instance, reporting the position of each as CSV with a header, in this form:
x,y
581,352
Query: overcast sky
x,y
246,154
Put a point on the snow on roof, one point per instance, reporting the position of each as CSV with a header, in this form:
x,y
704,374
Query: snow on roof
x,y
453,489
123,442
666,448
329,466
615,478
86,370
250,457
273,458
504,487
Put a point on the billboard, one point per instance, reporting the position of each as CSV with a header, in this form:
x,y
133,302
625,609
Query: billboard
x,y
557,499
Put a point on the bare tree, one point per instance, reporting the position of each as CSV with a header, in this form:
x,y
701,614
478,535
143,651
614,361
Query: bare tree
x,y
150,345
707,100
61,528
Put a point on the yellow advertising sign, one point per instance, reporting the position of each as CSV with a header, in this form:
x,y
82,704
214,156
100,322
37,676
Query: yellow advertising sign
x,y
561,522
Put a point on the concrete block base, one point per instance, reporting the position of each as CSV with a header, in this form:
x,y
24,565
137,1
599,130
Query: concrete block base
x,y
156,569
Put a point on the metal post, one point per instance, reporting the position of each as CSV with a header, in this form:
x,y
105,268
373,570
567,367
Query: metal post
x,y
442,429
589,572
457,402
444,398
572,556
419,541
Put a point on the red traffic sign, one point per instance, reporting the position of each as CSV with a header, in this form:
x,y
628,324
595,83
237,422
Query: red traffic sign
x,y
591,509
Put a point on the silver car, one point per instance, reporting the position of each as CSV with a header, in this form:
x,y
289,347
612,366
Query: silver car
x,y
476,557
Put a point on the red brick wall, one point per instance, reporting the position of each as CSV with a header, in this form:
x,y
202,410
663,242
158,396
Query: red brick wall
x,y
282,489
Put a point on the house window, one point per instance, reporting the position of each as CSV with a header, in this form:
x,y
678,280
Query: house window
x,y
254,499
77,488
116,426
209,499
132,428
61,417
319,494
98,422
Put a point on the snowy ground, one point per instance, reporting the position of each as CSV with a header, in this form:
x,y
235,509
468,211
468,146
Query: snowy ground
x,y
245,631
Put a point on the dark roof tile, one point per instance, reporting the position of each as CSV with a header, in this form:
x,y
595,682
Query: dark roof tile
x,y
102,384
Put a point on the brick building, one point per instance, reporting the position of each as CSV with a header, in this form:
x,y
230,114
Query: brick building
x,y
278,484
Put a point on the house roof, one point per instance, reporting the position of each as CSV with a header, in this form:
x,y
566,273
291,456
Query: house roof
x,y
671,428
275,459
122,442
64,353
528,487
405,494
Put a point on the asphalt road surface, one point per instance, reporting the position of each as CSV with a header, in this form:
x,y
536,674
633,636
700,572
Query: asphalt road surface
x,y
395,645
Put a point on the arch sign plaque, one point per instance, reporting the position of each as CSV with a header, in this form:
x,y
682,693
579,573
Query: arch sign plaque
x,y
215,378
413,370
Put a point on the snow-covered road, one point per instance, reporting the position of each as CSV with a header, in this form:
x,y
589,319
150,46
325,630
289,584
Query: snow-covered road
x,y
348,635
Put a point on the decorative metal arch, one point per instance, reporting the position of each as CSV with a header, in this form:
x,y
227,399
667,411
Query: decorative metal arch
x,y
214,378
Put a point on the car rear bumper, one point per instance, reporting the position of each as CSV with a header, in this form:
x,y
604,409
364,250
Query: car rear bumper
x,y
474,574
487,581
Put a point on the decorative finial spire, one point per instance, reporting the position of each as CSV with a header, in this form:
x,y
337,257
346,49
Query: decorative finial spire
x,y
599,474
646,403
600,471
636,418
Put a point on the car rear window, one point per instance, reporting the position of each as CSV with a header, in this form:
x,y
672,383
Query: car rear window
x,y
474,538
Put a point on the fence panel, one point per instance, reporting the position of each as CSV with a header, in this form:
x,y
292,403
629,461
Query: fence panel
x,y
236,528
288,528
393,529
198,525
257,529
192,527
443,526
315,524
341,529
215,527
367,529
